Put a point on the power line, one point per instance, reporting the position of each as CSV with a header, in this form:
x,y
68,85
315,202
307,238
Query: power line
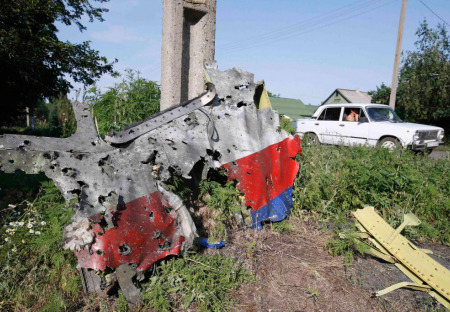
x,y
302,30
283,30
434,12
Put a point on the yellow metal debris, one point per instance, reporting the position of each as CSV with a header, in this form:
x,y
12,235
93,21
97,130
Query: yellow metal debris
x,y
426,274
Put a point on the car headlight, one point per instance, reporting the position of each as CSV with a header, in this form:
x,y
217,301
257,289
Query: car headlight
x,y
441,135
416,136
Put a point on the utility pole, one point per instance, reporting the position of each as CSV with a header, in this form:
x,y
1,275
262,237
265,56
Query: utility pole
x,y
188,41
398,52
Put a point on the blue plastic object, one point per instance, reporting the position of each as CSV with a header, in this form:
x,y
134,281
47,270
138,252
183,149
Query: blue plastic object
x,y
204,242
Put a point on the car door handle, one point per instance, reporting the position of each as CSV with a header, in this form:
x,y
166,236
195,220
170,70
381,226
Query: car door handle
x,y
341,125
316,123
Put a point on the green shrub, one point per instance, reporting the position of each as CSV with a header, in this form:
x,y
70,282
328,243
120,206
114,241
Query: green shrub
x,y
333,181
286,125
132,100
217,193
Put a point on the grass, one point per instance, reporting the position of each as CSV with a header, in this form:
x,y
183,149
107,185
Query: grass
x,y
36,273
443,148
334,181
195,280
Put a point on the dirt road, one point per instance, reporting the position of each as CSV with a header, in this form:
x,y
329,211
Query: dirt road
x,y
440,154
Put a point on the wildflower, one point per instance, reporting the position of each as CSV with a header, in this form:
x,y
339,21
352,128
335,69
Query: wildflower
x,y
21,223
11,206
31,231
43,223
14,249
23,241
29,225
11,223
37,232
7,239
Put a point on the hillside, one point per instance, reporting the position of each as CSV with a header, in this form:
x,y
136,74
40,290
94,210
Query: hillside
x,y
291,107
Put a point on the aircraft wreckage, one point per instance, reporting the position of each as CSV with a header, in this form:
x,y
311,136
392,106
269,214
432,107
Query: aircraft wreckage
x,y
126,219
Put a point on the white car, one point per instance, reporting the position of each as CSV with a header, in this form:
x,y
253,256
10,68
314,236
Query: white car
x,y
376,125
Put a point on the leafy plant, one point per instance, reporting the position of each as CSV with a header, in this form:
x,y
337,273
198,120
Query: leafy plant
x,y
35,271
333,181
223,198
286,125
34,63
346,245
132,100
424,79
205,280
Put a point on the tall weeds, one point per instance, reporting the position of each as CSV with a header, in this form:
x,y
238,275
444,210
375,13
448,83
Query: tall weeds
x,y
333,181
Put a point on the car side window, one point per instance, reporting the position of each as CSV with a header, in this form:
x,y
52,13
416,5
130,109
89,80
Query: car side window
x,y
322,115
333,113
348,116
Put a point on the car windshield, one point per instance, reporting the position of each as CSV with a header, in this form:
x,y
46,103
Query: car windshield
x,y
382,114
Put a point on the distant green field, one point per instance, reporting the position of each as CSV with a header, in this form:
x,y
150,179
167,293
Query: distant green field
x,y
293,108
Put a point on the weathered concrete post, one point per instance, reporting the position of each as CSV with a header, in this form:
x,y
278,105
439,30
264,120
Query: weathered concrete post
x,y
188,41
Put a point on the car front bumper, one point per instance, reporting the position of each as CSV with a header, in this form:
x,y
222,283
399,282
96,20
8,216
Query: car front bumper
x,y
426,145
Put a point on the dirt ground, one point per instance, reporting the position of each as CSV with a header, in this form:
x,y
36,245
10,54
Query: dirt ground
x,y
294,272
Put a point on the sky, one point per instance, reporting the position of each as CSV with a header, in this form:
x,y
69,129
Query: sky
x,y
301,49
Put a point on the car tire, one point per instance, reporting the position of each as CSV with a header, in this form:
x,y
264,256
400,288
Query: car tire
x,y
311,139
389,142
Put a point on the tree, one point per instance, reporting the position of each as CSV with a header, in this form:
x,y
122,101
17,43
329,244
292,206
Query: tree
x,y
424,82
34,63
270,94
423,93
381,94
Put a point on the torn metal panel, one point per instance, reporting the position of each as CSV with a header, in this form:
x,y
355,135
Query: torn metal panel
x,y
125,215
143,232
266,178
426,273
162,117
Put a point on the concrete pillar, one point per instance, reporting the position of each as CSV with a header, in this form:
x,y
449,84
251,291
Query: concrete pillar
x,y
188,41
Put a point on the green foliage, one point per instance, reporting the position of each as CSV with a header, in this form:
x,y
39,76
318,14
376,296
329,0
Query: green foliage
x,y
282,227
203,280
270,94
54,118
122,304
381,95
217,193
35,272
286,125
34,63
424,82
132,100
347,245
223,198
333,181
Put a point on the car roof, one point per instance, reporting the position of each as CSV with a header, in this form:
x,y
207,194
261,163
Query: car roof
x,y
353,104
320,108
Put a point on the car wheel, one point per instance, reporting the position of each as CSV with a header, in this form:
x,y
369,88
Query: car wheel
x,y
389,143
311,139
